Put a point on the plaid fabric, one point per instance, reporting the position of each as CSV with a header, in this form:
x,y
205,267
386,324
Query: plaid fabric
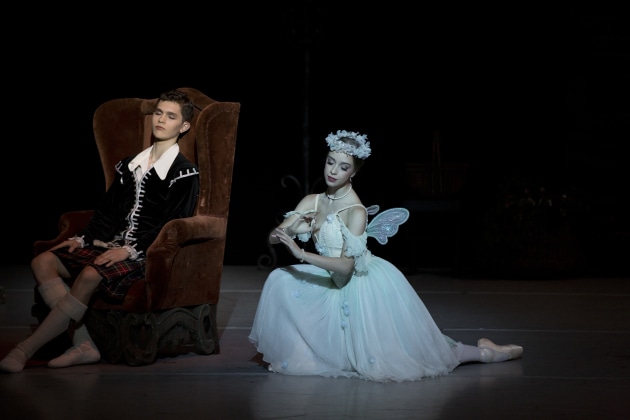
x,y
117,279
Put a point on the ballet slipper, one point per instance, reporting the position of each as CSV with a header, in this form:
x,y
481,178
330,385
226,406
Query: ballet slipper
x,y
493,353
13,362
81,354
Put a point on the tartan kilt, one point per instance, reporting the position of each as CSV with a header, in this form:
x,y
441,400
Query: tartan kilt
x,y
117,279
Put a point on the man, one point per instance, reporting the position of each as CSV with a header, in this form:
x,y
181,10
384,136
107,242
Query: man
x,y
157,185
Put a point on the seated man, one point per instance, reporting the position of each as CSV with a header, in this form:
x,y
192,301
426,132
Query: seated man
x,y
157,185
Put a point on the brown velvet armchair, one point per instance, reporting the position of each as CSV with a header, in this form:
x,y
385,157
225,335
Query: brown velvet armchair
x,y
173,309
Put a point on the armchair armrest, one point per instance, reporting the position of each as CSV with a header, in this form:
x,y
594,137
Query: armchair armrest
x,y
187,252
70,223
179,232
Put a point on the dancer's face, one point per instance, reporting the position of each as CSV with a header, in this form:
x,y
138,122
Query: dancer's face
x,y
338,169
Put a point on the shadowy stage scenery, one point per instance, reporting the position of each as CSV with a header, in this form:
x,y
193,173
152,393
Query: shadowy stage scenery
x,y
502,131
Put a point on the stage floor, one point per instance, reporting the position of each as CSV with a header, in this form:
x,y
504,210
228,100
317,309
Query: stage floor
x,y
576,362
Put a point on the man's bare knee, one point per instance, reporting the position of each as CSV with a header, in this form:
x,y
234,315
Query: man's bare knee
x,y
86,283
46,266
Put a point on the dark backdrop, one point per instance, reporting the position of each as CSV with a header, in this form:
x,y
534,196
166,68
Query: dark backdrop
x,y
540,93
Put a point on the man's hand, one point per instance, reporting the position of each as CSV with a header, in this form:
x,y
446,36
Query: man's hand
x,y
111,256
71,244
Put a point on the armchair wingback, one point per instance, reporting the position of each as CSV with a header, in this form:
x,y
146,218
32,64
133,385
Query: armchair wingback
x,y
176,302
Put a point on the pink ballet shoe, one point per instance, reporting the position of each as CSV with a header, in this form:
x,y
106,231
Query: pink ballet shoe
x,y
492,353
80,354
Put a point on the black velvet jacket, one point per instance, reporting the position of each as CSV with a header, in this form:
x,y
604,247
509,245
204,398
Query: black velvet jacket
x,y
133,213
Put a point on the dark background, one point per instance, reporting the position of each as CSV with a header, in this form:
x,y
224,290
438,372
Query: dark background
x,y
538,94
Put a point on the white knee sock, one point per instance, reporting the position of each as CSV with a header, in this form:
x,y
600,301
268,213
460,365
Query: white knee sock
x,y
57,321
53,290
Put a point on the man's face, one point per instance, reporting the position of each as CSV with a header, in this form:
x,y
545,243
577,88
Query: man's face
x,y
167,121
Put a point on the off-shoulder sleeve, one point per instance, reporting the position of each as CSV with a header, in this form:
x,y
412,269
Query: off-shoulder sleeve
x,y
356,247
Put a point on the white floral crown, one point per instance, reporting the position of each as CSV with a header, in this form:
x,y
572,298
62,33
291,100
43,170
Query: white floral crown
x,y
336,145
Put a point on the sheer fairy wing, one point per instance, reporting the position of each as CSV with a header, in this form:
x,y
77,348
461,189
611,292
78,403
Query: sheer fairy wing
x,y
385,224
372,210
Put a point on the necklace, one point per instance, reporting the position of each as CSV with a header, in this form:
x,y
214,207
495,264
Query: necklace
x,y
331,198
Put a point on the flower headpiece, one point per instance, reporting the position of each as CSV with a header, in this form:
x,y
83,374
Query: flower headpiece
x,y
362,151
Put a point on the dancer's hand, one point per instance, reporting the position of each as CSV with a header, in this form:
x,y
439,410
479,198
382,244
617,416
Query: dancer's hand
x,y
303,223
288,241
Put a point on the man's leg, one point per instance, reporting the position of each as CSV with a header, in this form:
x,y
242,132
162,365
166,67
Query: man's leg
x,y
57,321
83,349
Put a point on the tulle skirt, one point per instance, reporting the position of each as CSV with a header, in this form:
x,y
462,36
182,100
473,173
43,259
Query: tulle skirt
x,y
375,328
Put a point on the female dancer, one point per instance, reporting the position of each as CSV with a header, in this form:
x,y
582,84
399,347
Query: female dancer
x,y
343,311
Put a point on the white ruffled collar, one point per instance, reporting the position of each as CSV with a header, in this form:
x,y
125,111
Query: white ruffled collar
x,y
162,165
